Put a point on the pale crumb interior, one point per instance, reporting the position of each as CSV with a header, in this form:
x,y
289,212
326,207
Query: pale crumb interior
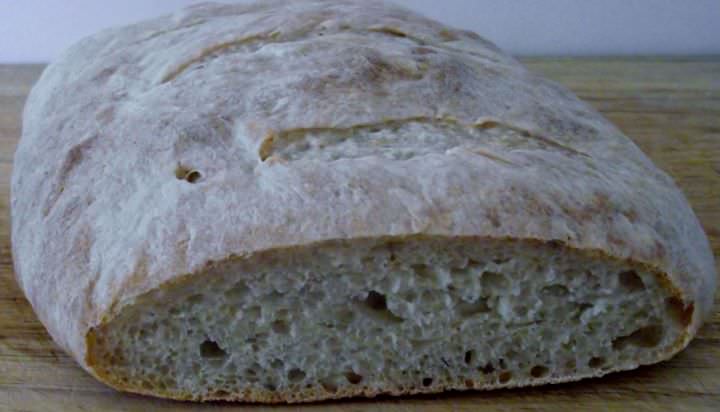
x,y
377,315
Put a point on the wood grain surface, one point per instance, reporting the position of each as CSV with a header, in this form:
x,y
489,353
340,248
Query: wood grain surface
x,y
671,108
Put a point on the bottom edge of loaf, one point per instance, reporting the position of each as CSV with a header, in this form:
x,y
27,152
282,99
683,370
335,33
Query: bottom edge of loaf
x,y
391,316
311,396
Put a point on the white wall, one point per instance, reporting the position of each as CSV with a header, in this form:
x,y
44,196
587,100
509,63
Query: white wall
x,y
36,30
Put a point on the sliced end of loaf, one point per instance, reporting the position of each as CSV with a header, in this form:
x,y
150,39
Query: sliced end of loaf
x,y
397,316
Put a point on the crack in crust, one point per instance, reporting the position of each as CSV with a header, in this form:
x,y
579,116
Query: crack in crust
x,y
278,146
255,42
208,53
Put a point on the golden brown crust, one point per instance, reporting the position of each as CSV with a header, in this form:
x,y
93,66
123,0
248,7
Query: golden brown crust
x,y
320,394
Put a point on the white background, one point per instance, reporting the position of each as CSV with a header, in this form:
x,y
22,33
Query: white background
x,y
36,30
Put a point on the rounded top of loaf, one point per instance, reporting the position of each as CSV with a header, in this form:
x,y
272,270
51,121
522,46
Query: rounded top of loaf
x,y
150,150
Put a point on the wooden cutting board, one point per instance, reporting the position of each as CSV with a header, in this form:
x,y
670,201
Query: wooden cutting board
x,y
670,107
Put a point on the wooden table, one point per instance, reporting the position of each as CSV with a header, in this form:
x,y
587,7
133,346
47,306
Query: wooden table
x,y
671,108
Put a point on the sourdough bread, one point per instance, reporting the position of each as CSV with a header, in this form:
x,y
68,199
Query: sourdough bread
x,y
301,200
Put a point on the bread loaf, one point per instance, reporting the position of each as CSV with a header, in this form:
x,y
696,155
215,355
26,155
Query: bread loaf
x,y
292,201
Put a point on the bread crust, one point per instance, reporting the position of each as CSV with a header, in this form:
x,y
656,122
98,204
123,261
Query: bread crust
x,y
151,150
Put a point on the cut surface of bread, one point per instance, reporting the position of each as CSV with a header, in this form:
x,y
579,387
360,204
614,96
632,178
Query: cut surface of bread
x,y
390,316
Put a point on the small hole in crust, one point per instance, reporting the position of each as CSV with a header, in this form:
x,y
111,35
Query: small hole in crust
x,y
188,174
539,371
596,362
328,385
193,176
630,281
270,386
296,375
427,381
376,301
679,313
211,350
353,377
469,356
487,369
505,376
647,337
280,327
